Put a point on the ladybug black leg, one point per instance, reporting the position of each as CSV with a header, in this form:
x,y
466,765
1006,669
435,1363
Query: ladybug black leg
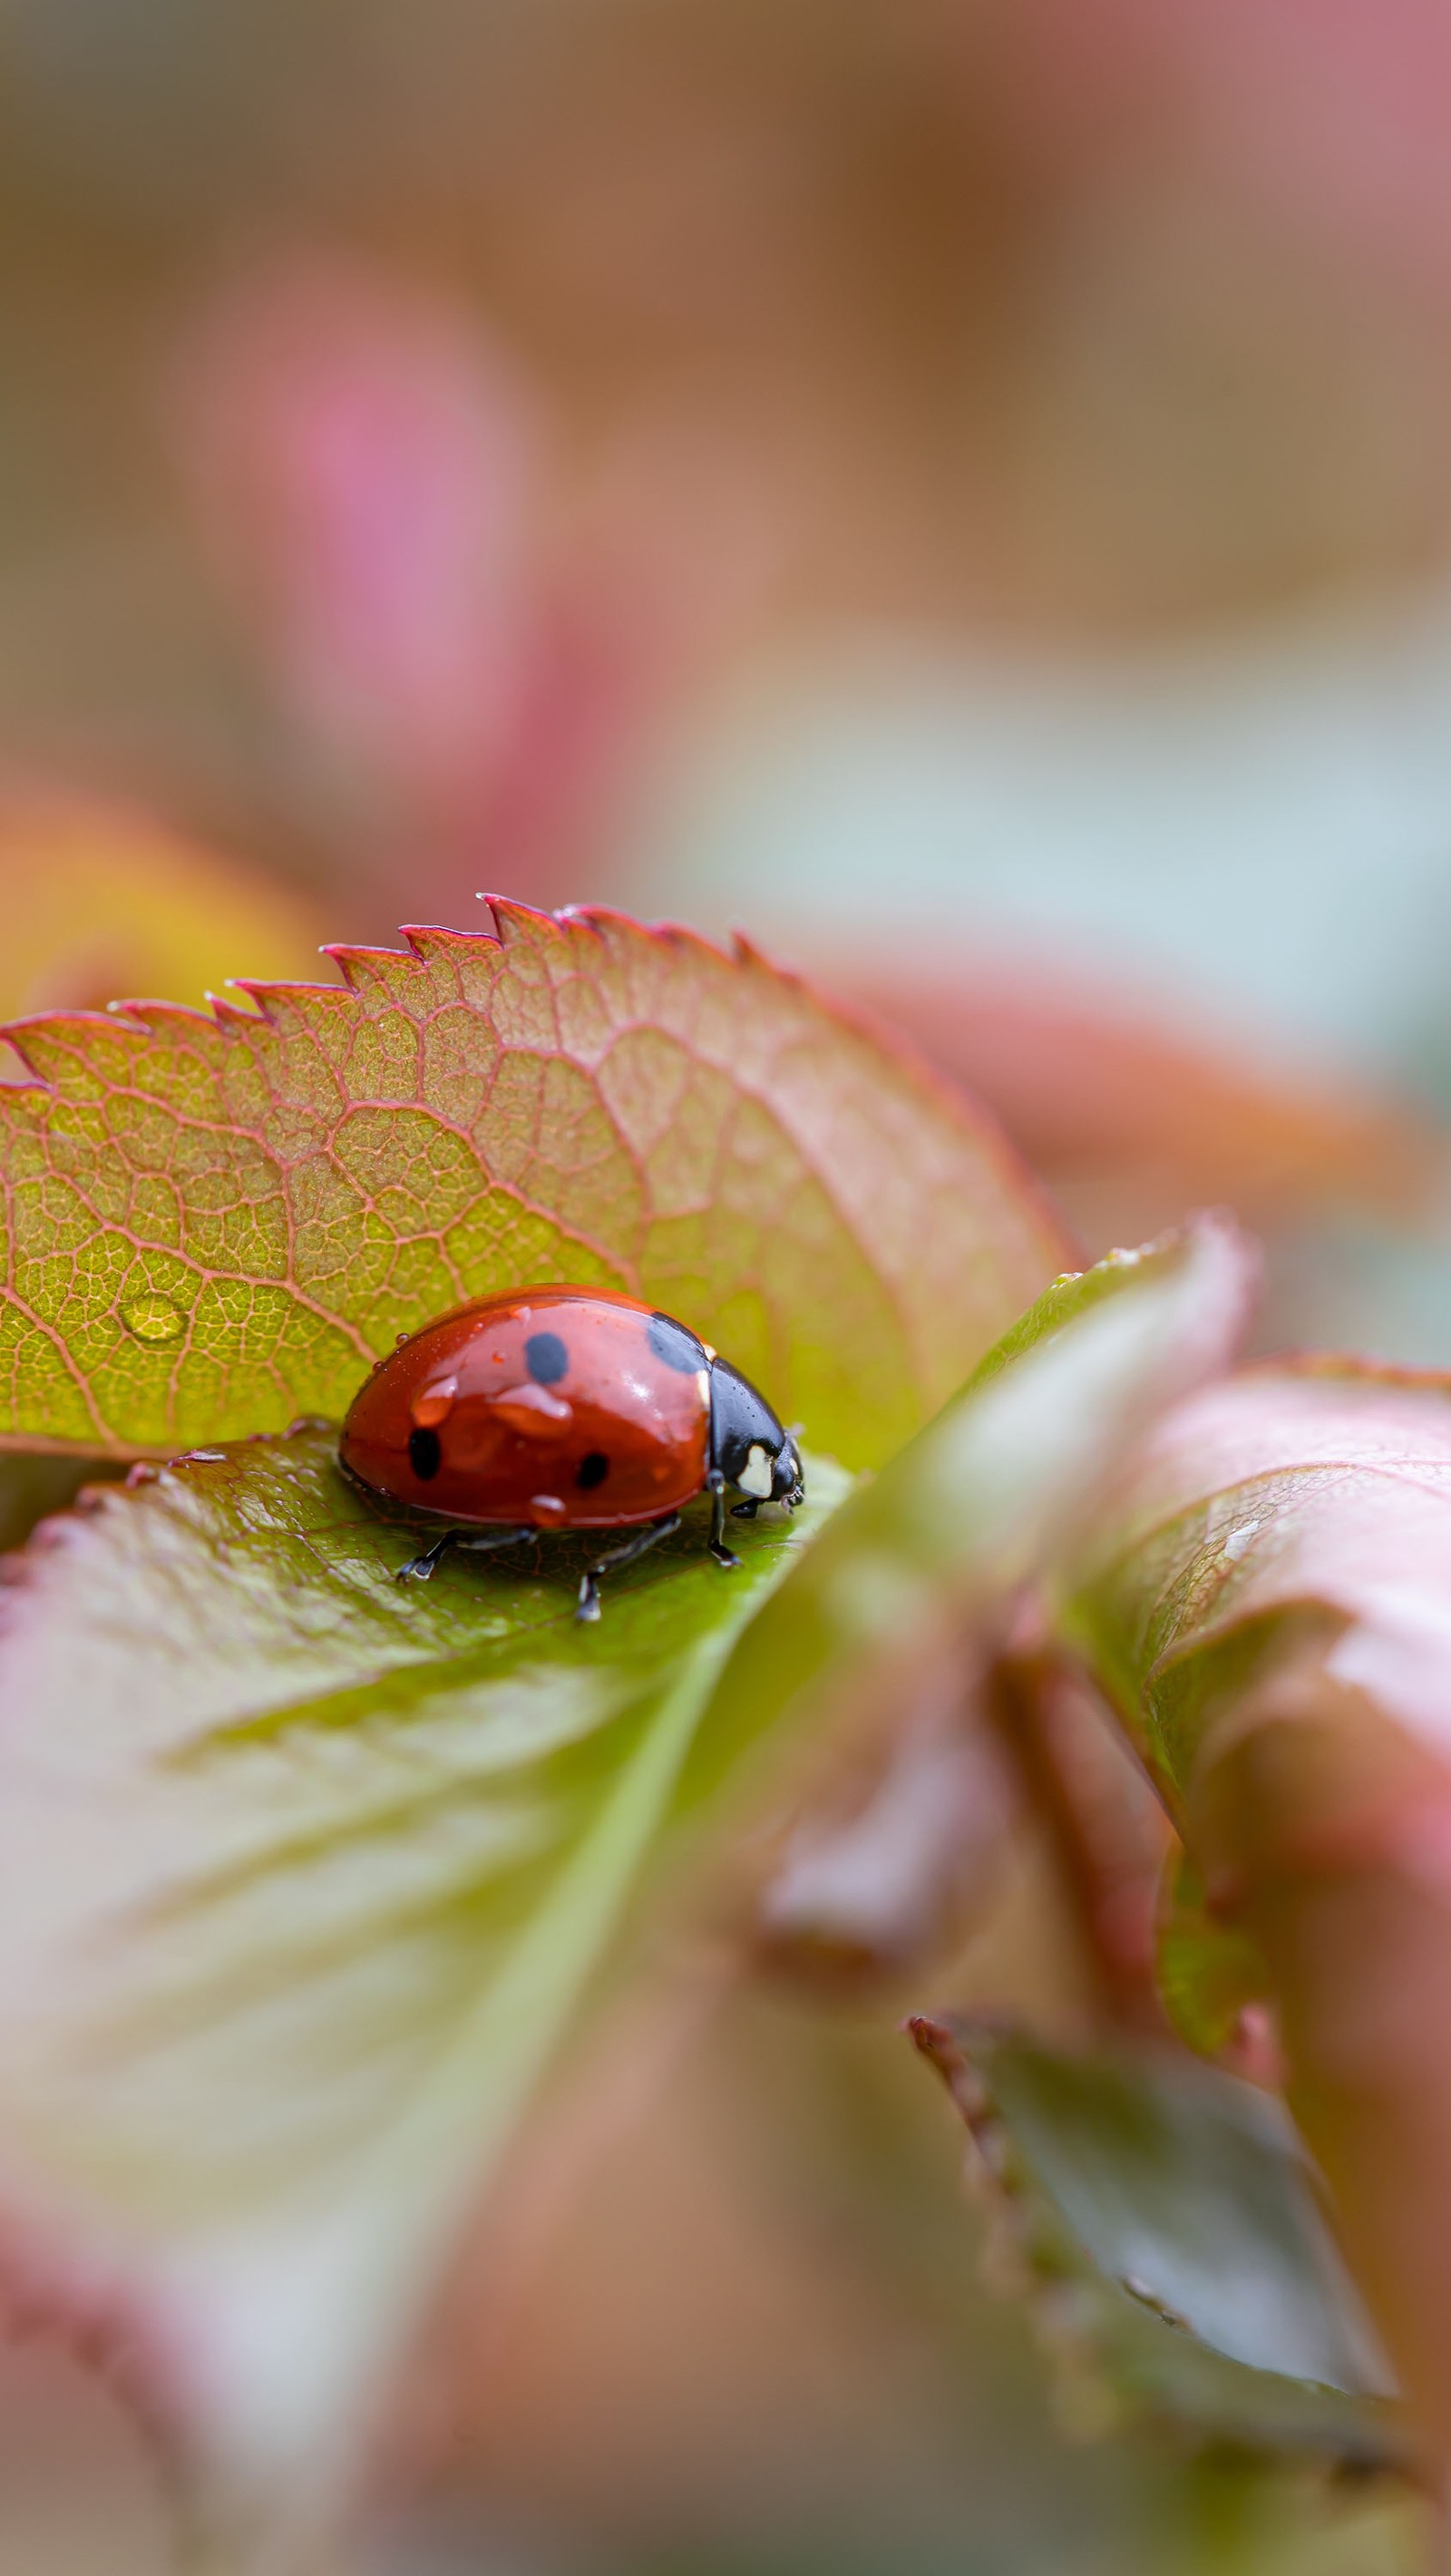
x,y
716,1542
478,1542
745,1511
589,1581
419,1568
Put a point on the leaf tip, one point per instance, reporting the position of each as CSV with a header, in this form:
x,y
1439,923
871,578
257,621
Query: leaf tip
x,y
429,939
226,1012
519,925
936,2039
927,2034
358,966
747,952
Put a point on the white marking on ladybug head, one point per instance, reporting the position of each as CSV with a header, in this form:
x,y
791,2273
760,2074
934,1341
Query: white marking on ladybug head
x,y
755,1477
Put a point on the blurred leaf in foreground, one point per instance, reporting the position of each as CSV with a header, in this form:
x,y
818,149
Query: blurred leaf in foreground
x,y
1169,2224
213,1225
299,1875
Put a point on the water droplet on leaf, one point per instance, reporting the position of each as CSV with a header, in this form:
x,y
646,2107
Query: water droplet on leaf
x,y
153,1319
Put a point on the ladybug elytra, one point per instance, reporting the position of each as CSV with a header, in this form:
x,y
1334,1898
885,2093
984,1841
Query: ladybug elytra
x,y
563,1409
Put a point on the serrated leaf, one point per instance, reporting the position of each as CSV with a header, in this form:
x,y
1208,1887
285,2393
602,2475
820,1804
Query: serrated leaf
x,y
214,1225
1169,2222
300,1872
989,1493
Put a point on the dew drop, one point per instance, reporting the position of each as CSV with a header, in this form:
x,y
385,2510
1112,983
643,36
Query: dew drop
x,y
533,1411
153,1319
432,1406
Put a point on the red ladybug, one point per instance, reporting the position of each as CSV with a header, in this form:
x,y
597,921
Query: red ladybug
x,y
563,1409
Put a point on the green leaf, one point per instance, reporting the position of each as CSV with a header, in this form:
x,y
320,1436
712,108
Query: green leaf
x,y
213,1225
1078,1292
1206,1971
1170,2225
301,1872
993,1489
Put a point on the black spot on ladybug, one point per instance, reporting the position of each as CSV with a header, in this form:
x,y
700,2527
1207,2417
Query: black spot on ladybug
x,y
593,1469
671,1343
546,1358
425,1454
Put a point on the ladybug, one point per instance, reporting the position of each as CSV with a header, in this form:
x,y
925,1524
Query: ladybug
x,y
563,1409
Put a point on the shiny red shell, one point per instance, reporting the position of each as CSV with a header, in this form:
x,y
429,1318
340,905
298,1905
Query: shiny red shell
x,y
556,1408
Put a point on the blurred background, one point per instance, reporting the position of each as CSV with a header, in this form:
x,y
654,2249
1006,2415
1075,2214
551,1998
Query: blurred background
x,y
960,488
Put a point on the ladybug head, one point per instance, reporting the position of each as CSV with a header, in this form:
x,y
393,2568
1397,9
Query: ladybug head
x,y
747,1443
788,1483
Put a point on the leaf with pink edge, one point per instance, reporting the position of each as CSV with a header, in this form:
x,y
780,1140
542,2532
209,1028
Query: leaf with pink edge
x,y
213,1225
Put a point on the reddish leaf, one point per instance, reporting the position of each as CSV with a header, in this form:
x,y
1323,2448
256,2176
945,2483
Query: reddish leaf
x,y
215,1225
1131,1120
1270,1613
1299,1499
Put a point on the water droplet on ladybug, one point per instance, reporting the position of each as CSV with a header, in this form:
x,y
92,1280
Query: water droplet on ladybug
x,y
534,1410
432,1403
